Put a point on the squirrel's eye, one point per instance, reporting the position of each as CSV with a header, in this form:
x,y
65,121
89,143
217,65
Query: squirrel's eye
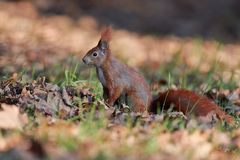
x,y
95,54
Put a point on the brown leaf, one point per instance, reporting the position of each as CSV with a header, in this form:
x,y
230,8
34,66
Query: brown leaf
x,y
9,142
66,97
10,118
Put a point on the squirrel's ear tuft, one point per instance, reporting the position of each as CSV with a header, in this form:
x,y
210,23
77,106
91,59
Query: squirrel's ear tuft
x,y
103,44
106,34
105,38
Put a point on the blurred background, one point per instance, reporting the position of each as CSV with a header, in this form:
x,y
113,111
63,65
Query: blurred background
x,y
147,33
207,18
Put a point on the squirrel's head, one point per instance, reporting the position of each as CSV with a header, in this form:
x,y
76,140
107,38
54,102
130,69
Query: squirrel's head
x,y
99,54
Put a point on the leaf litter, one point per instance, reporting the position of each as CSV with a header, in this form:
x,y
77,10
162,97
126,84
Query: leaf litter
x,y
49,99
52,107
71,122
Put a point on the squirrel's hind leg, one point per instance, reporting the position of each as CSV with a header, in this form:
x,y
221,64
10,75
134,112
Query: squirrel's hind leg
x,y
138,104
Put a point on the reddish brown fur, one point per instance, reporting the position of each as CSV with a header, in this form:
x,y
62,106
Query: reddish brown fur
x,y
106,34
187,102
119,79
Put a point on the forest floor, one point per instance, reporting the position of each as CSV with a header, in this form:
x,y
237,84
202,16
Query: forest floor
x,y
51,104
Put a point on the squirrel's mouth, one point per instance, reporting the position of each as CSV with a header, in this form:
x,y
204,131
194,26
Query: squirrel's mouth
x,y
87,61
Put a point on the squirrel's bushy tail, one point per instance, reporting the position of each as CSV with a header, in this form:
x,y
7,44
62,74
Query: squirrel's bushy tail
x,y
187,102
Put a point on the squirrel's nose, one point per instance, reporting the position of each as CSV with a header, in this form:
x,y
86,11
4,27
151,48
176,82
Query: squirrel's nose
x,y
84,60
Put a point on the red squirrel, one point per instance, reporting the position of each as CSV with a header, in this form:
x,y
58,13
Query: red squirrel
x,y
119,79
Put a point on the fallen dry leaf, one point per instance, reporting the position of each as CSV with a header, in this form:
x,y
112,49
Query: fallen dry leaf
x,y
8,142
10,117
